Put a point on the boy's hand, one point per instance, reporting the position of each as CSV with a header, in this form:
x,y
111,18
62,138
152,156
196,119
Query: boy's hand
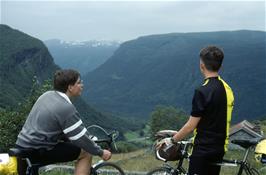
x,y
106,155
166,141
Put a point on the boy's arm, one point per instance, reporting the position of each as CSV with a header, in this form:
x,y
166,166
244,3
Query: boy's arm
x,y
187,128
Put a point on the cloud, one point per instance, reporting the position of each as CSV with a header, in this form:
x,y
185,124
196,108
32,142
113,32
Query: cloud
x,y
85,20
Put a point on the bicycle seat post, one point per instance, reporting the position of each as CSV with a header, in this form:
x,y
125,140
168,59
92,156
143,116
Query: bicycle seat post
x,y
248,145
246,154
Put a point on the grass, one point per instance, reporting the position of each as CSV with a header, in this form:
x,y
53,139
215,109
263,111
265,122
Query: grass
x,y
131,135
144,160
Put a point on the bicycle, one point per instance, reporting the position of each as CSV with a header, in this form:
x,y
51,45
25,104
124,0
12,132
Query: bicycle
x,y
167,168
243,164
179,170
100,167
181,155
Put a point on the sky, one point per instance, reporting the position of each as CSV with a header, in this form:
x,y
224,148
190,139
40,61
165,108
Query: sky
x,y
125,20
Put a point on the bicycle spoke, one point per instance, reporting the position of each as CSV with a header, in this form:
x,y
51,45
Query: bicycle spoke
x,y
160,171
254,171
251,171
107,169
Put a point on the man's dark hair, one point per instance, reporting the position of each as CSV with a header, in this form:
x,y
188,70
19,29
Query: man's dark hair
x,y
64,78
212,57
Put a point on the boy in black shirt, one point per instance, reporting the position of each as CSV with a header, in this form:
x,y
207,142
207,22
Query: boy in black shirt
x,y
210,118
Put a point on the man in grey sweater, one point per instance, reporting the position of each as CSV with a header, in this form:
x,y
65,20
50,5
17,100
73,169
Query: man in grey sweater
x,y
54,117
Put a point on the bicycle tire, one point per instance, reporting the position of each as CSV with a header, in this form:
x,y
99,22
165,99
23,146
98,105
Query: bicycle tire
x,y
160,171
106,168
254,171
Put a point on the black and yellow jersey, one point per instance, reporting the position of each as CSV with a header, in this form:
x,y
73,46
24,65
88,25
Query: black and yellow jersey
x,y
213,102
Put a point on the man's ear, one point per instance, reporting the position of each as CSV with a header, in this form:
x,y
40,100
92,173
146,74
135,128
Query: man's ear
x,y
69,88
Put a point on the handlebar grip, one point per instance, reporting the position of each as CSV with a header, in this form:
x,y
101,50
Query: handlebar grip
x,y
103,141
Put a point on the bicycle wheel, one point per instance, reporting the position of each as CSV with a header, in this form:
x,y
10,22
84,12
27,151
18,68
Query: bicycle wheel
x,y
107,168
252,171
160,171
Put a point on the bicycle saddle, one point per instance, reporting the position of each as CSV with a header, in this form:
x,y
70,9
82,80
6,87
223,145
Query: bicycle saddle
x,y
18,152
245,143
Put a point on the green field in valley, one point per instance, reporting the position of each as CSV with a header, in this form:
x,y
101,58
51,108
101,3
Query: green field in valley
x,y
143,161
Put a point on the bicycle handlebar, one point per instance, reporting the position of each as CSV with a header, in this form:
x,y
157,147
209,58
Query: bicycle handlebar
x,y
159,157
110,136
184,151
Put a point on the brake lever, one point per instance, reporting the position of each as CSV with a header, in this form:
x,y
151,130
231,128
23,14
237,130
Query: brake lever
x,y
115,146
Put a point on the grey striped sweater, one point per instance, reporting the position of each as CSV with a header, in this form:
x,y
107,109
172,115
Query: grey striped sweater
x,y
52,118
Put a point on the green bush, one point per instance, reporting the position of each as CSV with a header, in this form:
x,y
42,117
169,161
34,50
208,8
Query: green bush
x,y
125,147
166,117
12,120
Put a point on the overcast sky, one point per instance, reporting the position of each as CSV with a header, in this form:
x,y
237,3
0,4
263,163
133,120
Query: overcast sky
x,y
116,20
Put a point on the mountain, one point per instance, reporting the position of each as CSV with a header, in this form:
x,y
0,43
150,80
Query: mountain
x,y
82,56
164,69
90,116
22,58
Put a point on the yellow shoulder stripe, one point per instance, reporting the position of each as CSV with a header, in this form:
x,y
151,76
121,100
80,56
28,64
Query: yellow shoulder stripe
x,y
206,82
230,105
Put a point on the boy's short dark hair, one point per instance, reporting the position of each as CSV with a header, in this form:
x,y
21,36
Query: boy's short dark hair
x,y
64,78
212,57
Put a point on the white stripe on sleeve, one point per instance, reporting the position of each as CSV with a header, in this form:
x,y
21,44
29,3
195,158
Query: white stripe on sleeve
x,y
71,128
76,137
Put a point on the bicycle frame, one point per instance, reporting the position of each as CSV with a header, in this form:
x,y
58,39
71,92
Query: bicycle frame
x,y
179,169
111,136
32,169
243,164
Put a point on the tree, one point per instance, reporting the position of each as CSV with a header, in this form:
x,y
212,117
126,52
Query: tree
x,y
12,120
166,117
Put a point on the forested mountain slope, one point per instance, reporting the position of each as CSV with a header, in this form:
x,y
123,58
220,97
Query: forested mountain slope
x,y
164,69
